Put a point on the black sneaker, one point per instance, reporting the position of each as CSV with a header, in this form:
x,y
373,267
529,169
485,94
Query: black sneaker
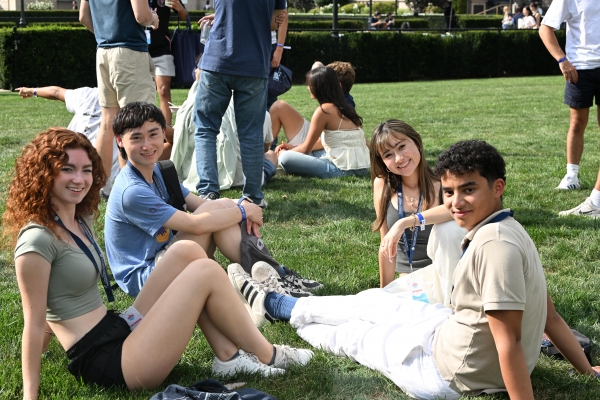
x,y
210,196
293,278
266,274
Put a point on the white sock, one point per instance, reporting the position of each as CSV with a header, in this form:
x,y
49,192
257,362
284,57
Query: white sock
x,y
572,170
595,197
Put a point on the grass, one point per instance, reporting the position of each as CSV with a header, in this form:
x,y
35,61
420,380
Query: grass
x,y
322,228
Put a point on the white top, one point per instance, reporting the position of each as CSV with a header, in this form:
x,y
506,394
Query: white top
x,y
346,148
583,36
83,102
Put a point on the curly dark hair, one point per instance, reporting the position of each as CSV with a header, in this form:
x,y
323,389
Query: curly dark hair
x,y
345,73
134,115
471,156
30,188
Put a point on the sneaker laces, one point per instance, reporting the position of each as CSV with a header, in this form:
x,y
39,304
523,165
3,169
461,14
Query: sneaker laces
x,y
296,275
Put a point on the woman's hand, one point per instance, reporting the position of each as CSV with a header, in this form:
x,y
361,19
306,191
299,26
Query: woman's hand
x,y
283,147
389,243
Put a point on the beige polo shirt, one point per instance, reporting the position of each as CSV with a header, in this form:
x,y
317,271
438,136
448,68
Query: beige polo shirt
x,y
500,270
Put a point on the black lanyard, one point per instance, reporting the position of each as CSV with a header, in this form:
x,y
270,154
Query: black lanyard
x,y
154,179
410,250
102,270
497,218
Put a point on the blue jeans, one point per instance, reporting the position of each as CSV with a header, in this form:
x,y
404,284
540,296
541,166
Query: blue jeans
x,y
314,164
249,100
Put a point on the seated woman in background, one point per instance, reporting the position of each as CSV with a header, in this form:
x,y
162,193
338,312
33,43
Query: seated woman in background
x,y
53,198
345,151
528,21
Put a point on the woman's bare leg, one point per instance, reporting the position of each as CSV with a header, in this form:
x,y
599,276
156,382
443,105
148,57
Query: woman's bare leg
x,y
200,293
283,114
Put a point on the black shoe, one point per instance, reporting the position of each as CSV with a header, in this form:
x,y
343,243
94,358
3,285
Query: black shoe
x,y
295,279
210,196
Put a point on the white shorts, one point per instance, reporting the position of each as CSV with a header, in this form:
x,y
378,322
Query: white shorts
x,y
164,65
300,136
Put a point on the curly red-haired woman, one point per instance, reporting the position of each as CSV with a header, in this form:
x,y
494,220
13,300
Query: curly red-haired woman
x,y
52,198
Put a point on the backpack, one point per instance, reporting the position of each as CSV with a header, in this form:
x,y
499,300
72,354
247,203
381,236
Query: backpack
x,y
169,174
210,389
253,250
585,343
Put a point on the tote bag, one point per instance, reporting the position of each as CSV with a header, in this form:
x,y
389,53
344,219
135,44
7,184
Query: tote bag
x,y
185,46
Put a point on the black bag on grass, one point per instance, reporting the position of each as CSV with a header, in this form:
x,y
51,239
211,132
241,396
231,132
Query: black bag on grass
x,y
253,250
210,389
585,343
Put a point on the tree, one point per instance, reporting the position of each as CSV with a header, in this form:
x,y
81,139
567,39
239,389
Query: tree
x,y
421,4
302,5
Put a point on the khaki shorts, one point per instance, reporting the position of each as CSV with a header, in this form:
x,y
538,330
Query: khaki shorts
x,y
124,76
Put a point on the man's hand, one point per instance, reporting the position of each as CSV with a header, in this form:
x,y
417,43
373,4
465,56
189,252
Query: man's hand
x,y
254,218
276,60
280,18
25,92
569,71
207,19
154,20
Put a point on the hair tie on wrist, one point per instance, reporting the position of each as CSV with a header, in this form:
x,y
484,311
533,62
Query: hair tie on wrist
x,y
562,60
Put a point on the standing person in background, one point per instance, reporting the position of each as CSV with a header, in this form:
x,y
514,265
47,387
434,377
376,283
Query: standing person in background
x,y
160,51
277,42
517,16
536,14
235,62
75,5
124,68
580,66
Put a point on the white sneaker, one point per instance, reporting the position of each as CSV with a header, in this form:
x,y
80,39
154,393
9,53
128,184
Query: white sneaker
x,y
569,183
251,293
586,209
263,272
286,356
244,363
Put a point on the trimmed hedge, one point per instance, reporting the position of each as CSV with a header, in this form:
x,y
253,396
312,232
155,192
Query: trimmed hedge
x,y
480,21
325,24
65,56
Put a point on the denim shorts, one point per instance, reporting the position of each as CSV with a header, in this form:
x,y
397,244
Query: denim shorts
x,y
96,357
582,93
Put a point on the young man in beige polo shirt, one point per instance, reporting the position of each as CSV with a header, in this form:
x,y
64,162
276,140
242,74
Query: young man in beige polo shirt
x,y
492,339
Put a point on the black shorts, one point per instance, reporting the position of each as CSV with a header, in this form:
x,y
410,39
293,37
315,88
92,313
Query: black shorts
x,y
582,93
96,357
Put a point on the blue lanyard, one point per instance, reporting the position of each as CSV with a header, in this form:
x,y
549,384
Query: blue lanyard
x,y
154,179
410,250
102,270
503,215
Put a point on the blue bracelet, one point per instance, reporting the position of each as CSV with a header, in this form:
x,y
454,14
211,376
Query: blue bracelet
x,y
562,60
241,207
597,374
421,221
279,45
244,198
35,92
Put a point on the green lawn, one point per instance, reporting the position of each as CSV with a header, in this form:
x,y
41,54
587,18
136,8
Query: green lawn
x,y
322,228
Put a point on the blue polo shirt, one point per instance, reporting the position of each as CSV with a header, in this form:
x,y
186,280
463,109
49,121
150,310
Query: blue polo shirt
x,y
240,39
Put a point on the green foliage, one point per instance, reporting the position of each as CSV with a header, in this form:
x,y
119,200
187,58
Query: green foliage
x,y
382,7
326,24
460,6
431,9
421,5
479,21
65,56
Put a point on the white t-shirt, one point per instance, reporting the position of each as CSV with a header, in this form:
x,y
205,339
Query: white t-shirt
x,y
583,33
83,102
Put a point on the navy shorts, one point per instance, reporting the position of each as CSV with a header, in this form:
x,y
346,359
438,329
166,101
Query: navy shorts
x,y
582,93
96,357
